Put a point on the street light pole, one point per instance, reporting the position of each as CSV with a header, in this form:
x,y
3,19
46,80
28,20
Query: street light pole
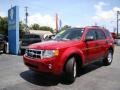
x,y
118,12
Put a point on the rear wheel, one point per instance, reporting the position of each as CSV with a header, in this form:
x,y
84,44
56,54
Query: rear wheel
x,y
109,58
20,52
71,70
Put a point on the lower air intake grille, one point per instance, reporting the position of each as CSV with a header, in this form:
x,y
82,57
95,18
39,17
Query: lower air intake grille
x,y
34,53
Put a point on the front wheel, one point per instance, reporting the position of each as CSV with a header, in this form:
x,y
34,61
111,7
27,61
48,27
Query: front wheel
x,y
109,58
71,70
5,49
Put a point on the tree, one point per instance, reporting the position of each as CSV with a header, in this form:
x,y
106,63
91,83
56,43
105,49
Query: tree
x,y
21,25
38,27
35,26
65,27
4,25
21,28
46,28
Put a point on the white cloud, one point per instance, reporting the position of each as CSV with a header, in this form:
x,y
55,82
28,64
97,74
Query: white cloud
x,y
99,6
106,18
42,20
104,15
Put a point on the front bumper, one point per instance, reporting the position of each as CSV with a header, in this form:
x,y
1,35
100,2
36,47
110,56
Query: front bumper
x,y
49,65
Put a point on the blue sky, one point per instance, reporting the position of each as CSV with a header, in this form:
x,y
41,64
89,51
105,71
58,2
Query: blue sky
x,y
71,12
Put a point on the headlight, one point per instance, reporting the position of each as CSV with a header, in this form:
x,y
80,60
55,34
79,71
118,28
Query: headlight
x,y
50,53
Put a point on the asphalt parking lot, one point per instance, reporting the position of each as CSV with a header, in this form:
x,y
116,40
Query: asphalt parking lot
x,y
14,75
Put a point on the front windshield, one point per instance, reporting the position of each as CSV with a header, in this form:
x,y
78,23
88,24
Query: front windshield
x,y
69,34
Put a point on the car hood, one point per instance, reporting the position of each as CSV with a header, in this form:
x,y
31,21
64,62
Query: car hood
x,y
50,45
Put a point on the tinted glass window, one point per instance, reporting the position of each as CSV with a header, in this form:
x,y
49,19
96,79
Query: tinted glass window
x,y
30,36
107,33
69,34
26,37
36,36
100,34
92,33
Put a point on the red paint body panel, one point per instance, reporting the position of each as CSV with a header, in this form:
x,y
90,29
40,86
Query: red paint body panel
x,y
88,51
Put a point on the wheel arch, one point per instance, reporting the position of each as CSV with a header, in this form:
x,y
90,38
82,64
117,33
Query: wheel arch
x,y
78,60
111,48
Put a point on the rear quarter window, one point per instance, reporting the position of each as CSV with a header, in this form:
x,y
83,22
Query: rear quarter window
x,y
107,33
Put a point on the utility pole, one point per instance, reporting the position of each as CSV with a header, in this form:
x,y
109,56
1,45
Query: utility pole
x,y
118,12
26,16
26,20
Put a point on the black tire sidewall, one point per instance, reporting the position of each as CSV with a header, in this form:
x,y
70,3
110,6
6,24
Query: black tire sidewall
x,y
5,49
69,70
105,61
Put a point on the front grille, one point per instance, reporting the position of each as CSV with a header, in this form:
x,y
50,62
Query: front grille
x,y
34,53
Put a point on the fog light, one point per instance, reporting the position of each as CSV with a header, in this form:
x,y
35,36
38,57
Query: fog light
x,y
50,66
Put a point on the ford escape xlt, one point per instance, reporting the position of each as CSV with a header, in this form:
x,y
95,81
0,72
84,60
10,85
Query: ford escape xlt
x,y
69,50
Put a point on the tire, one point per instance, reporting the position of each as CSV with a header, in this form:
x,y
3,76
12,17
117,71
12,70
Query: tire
x,y
19,52
71,70
5,49
109,58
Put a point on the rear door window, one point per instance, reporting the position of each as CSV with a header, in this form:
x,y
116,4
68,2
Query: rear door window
x,y
100,34
92,33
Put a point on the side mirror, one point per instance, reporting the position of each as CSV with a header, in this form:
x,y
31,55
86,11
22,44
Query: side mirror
x,y
89,38
52,37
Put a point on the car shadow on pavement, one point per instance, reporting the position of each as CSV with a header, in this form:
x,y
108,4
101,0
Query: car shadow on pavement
x,y
51,80
40,78
91,67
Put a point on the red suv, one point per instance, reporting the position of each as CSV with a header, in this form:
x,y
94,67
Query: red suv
x,y
70,50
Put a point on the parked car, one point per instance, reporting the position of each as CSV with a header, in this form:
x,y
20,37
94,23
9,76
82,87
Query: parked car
x,y
114,35
3,43
117,40
49,37
70,50
27,40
